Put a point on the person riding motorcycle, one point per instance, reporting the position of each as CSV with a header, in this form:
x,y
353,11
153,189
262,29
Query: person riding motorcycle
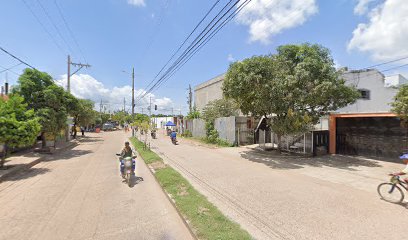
x,y
404,158
173,135
127,151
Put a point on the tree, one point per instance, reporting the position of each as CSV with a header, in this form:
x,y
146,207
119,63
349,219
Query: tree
x,y
400,104
219,108
292,88
193,114
120,116
81,110
47,100
18,126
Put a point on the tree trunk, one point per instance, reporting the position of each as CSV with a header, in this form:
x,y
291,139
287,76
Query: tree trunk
x,y
75,131
3,157
279,143
43,140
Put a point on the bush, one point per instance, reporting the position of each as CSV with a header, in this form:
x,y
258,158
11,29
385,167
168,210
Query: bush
x,y
187,133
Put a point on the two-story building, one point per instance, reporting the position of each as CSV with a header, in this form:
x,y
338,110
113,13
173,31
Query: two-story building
x,y
368,127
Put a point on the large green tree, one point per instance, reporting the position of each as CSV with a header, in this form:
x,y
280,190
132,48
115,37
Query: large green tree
x,y
400,104
18,126
81,110
292,88
48,100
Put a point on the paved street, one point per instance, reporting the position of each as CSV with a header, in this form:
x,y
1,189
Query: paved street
x,y
78,194
288,198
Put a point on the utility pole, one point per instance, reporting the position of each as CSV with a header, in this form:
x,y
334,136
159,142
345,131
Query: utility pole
x,y
69,75
80,65
190,98
133,98
124,104
150,107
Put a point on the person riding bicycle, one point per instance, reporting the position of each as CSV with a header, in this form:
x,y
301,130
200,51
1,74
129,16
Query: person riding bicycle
x,y
127,151
404,158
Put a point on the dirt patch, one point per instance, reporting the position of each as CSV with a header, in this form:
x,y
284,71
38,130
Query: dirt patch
x,y
182,191
158,165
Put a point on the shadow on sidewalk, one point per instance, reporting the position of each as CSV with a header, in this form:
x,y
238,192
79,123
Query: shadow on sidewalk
x,y
295,161
26,174
89,139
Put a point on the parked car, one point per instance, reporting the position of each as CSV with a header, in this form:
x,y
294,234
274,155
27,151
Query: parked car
x,y
107,127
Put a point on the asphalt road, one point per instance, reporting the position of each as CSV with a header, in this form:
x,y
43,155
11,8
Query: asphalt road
x,y
276,197
78,194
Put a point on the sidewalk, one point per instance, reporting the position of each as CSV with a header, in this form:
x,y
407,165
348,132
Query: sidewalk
x,y
28,158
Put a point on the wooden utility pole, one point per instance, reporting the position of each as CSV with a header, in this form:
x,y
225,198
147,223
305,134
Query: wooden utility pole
x,y
133,98
190,98
69,75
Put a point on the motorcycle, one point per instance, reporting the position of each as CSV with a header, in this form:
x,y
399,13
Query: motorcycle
x,y
174,140
127,167
153,134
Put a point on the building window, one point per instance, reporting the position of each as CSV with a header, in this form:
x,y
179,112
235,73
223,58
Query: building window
x,y
365,94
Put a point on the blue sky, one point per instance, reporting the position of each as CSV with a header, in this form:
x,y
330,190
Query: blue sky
x,y
115,35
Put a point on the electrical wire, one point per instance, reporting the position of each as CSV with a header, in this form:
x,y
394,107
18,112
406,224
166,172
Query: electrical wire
x,y
183,43
202,44
44,28
200,41
21,61
9,69
69,30
54,25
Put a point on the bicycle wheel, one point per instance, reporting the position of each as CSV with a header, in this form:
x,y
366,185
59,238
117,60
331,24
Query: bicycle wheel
x,y
390,192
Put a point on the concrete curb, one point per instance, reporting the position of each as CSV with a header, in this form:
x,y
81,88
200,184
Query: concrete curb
x,y
173,203
32,163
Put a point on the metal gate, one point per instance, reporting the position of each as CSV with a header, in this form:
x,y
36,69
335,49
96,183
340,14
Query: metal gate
x,y
370,136
320,142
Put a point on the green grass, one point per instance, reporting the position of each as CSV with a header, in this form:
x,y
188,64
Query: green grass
x,y
219,142
207,221
147,155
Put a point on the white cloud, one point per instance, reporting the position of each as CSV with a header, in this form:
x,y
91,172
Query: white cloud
x,y
85,86
139,3
385,35
362,7
230,58
267,18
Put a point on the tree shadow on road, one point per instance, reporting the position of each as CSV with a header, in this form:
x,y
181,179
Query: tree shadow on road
x,y
27,173
296,161
89,139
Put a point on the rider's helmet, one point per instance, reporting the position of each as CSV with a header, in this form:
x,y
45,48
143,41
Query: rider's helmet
x,y
126,143
404,157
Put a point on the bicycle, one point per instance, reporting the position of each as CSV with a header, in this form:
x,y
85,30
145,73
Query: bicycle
x,y
391,191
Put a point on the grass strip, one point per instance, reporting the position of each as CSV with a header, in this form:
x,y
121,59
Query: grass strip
x,y
206,220
147,155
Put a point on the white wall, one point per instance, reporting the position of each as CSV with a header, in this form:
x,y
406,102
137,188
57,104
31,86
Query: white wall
x,y
380,96
208,91
395,80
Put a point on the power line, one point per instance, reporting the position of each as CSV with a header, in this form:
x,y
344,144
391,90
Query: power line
x,y
21,61
188,48
200,42
69,30
53,24
182,44
9,69
44,28
206,40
